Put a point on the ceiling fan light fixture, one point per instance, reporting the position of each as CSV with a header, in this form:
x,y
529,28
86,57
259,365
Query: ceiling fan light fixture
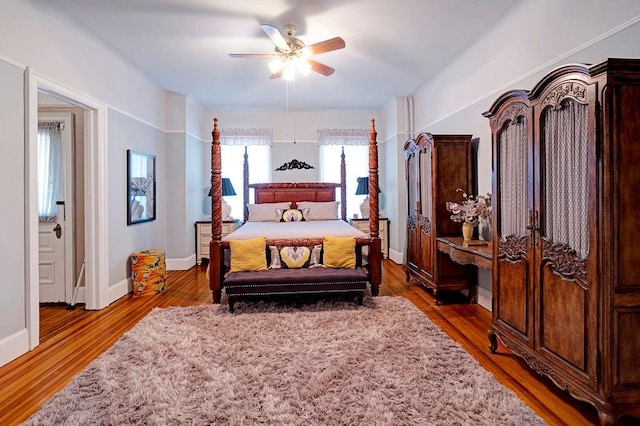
x,y
276,66
289,72
304,67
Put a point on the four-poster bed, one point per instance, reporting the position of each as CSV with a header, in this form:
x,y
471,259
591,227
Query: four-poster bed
x,y
312,198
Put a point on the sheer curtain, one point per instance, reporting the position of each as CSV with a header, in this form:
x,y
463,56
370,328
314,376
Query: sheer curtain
x,y
50,171
356,150
258,143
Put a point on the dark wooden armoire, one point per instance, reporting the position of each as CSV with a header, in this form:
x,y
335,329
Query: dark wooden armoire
x,y
436,166
566,260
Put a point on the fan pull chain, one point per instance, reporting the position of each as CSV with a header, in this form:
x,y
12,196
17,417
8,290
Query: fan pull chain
x,y
287,104
294,110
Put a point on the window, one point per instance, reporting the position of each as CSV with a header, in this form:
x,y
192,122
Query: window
x,y
258,144
232,168
50,172
355,143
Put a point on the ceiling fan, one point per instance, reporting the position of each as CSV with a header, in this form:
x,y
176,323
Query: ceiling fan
x,y
291,53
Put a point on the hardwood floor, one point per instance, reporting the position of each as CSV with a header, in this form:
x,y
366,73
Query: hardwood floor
x,y
71,339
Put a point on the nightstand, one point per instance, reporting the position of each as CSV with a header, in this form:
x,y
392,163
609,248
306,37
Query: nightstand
x,y
203,236
383,231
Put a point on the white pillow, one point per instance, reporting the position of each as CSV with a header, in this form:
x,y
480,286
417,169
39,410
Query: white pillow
x,y
320,210
266,212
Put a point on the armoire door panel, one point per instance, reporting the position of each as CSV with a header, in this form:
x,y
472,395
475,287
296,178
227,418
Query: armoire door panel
x,y
564,308
413,247
447,189
427,245
628,157
512,294
425,172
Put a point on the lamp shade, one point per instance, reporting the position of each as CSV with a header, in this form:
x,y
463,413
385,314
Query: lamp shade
x,y
227,188
363,186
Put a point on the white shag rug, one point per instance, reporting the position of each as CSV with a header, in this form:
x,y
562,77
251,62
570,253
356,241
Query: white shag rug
x,y
326,363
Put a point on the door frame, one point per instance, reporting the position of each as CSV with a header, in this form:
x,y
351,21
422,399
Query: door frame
x,y
95,193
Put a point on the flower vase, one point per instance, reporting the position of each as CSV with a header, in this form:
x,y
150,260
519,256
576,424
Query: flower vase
x,y
467,231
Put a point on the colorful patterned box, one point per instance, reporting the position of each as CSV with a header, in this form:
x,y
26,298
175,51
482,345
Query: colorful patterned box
x,y
148,272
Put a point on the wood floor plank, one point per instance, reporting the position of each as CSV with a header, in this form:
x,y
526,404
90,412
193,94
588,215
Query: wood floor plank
x,y
71,339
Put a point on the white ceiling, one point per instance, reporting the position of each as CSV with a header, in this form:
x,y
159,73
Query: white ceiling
x,y
392,47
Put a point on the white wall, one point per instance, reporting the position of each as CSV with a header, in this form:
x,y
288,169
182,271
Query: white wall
x,y
126,133
284,152
282,123
12,214
185,167
399,120
56,46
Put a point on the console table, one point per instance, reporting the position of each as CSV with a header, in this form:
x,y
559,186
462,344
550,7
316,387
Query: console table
x,y
466,254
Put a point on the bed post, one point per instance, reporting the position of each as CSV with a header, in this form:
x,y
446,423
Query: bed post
x,y
245,184
343,186
215,247
375,249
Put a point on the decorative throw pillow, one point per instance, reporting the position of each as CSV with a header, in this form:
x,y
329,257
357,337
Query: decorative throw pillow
x,y
248,255
292,215
294,257
320,210
339,252
265,212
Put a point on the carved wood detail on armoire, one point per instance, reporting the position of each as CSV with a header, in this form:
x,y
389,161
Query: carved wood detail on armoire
x,y
566,260
436,166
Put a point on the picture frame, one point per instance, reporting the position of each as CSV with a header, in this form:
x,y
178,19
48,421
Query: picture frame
x,y
141,187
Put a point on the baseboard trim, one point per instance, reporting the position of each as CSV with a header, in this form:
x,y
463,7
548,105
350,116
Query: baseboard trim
x,y
484,298
181,264
396,256
14,345
119,289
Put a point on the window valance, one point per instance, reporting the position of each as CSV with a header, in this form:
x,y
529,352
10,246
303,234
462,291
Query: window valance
x,y
345,137
246,137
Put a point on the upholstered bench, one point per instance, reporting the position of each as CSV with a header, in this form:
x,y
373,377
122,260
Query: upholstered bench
x,y
295,282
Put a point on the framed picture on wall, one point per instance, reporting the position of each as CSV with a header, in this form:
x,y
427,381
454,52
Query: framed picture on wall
x,y
141,187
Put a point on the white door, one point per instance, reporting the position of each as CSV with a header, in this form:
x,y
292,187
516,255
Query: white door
x,y
52,265
55,239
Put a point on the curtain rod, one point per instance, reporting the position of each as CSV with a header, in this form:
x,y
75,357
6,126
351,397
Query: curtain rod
x,y
51,124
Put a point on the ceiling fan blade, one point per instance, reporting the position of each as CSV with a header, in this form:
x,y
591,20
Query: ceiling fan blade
x,y
276,74
254,55
325,46
276,37
320,68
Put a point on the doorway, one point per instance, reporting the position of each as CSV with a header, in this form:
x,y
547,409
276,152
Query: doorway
x,y
58,235
93,220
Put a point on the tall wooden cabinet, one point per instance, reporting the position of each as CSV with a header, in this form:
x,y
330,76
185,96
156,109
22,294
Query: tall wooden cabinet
x,y
436,166
566,260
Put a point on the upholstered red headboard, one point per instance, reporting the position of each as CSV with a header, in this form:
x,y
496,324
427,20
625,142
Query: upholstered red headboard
x,y
294,192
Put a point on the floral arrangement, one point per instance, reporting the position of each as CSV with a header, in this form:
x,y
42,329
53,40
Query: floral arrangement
x,y
471,209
